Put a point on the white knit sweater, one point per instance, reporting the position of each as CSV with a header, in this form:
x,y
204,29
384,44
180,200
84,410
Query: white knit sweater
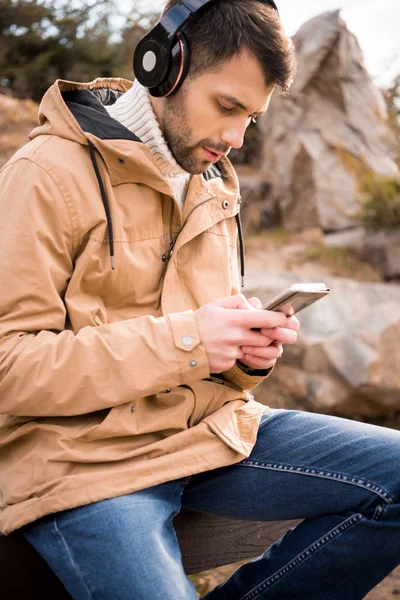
x,y
134,110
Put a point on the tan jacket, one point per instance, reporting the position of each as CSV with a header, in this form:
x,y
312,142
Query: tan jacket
x,y
104,381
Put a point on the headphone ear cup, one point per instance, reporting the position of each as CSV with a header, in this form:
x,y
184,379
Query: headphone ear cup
x,y
151,61
180,60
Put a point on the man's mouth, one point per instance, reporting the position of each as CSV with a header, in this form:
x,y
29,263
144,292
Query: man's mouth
x,y
213,156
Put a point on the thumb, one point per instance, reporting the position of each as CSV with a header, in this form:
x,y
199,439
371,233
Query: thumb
x,y
237,301
255,302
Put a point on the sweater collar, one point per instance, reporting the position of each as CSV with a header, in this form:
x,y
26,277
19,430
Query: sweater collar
x,y
134,110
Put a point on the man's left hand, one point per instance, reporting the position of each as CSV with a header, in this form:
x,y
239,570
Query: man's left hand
x,y
262,358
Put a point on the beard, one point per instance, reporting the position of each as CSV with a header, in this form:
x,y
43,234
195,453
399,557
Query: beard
x,y
180,139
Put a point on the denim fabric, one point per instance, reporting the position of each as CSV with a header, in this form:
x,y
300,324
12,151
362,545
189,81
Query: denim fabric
x,y
342,477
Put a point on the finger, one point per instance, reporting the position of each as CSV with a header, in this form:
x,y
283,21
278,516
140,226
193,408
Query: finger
x,y
255,302
268,339
236,301
268,332
283,335
269,353
293,323
287,309
248,348
258,319
259,363
252,338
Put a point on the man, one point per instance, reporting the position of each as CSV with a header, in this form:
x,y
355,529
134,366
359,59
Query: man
x,y
128,352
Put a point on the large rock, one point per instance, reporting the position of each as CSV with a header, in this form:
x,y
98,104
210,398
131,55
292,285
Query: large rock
x,y
379,248
331,131
382,249
255,213
347,358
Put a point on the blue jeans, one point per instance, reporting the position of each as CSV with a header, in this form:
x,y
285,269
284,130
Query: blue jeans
x,y
341,477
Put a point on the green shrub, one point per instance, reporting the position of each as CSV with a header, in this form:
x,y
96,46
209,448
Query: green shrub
x,y
378,195
379,202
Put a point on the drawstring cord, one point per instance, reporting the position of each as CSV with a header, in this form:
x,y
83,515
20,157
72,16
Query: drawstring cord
x,y
241,244
105,202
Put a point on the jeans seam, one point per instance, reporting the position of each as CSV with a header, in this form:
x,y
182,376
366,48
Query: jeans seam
x,y
77,570
357,481
378,512
304,555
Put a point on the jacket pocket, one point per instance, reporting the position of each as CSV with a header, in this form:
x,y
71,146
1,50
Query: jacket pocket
x,y
98,424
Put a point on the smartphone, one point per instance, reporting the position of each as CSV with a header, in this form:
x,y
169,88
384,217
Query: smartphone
x,y
297,297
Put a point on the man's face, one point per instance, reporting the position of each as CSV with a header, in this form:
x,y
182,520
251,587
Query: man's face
x,y
208,116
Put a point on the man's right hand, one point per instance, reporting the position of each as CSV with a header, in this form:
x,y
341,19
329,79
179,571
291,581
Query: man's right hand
x,y
224,329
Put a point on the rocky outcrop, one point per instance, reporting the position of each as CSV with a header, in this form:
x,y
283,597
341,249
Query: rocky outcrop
x,y
330,132
382,248
378,248
347,359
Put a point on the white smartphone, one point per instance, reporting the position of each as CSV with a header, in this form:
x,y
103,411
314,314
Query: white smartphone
x,y
297,297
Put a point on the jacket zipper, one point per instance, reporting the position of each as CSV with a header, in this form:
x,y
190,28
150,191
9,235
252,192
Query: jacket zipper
x,y
173,242
166,257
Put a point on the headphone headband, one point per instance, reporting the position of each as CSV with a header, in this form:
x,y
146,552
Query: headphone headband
x,y
177,16
161,58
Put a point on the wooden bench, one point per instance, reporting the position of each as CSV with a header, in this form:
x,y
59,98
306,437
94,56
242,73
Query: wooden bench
x,y
206,542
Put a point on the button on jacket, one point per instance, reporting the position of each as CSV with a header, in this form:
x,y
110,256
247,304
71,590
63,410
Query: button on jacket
x,y
105,385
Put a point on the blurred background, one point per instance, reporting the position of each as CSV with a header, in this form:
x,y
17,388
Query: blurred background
x,y
319,174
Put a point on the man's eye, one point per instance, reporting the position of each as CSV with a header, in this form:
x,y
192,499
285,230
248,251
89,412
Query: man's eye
x,y
225,109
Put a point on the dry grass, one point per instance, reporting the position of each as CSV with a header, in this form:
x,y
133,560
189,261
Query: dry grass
x,y
17,119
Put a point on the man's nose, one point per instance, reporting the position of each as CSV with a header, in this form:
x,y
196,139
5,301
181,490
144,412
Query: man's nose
x,y
234,136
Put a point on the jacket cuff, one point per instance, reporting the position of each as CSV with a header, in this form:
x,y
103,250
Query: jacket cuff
x,y
245,381
253,372
190,353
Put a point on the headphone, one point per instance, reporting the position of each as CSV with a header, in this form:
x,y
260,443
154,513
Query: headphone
x,y
161,58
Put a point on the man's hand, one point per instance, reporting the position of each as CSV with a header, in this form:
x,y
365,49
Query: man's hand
x,y
228,333
258,357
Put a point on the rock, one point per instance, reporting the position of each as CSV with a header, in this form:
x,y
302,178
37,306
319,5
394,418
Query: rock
x,y
350,238
382,248
322,139
378,248
255,214
346,361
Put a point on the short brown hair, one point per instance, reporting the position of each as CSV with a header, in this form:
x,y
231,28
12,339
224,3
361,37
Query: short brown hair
x,y
225,27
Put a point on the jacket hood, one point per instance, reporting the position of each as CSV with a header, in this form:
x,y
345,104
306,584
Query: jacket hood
x,y
71,110
76,112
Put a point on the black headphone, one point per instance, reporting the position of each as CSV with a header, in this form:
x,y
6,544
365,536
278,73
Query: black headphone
x,y
161,58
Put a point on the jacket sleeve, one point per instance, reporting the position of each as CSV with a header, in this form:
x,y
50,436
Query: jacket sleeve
x,y
244,377
46,369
